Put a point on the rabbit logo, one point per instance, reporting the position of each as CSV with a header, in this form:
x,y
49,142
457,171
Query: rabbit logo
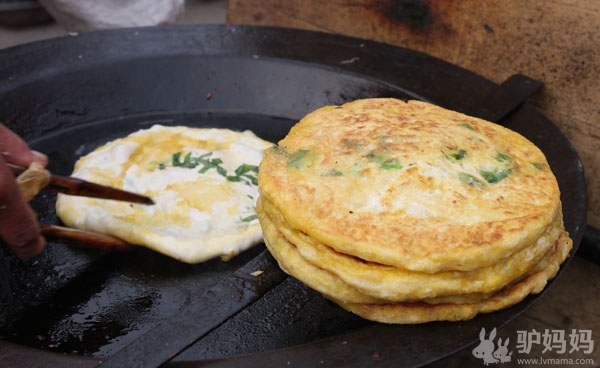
x,y
487,351
502,352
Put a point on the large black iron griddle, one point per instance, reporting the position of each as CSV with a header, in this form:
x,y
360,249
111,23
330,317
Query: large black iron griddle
x,y
75,307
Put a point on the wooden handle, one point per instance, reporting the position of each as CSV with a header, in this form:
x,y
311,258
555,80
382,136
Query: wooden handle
x,y
74,186
78,187
84,239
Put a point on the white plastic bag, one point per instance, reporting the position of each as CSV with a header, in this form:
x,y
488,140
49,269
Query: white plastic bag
x,y
90,15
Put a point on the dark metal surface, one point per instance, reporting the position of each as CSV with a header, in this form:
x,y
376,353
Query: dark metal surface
x,y
67,96
505,99
201,315
590,244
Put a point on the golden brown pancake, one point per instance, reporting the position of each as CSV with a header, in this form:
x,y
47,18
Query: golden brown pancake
x,y
411,185
420,312
332,287
325,282
405,212
395,284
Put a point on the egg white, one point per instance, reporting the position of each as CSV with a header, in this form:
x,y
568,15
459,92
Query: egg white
x,y
199,213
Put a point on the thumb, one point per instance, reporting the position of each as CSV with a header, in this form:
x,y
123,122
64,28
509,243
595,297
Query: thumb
x,y
16,151
18,225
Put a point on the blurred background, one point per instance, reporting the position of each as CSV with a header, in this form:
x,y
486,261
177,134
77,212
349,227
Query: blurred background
x,y
23,21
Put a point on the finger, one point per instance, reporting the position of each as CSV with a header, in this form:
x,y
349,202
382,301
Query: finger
x,y
18,226
16,151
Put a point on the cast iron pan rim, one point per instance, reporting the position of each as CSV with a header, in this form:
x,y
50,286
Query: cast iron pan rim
x,y
74,50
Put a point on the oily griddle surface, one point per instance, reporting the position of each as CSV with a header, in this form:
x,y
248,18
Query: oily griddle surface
x,y
68,96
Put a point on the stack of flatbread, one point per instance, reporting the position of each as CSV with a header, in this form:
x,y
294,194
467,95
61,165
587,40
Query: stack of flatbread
x,y
405,212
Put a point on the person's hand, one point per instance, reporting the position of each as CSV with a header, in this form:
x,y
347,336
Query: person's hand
x,y
19,228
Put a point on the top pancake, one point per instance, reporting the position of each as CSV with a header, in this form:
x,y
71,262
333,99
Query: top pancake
x,y
411,185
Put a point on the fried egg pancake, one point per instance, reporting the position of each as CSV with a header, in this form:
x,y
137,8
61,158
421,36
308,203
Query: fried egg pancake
x,y
202,180
395,284
411,185
324,281
409,313
443,308
405,212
